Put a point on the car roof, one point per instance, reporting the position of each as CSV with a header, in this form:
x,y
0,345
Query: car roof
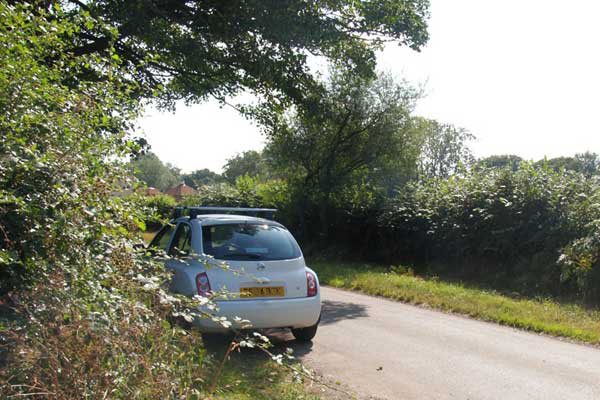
x,y
220,219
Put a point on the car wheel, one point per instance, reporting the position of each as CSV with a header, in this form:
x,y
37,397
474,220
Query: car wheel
x,y
306,334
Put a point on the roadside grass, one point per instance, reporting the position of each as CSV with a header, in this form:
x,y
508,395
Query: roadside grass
x,y
538,314
249,377
75,361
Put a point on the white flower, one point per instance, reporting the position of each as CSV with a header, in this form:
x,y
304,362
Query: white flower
x,y
240,320
278,359
167,299
223,321
261,337
150,286
201,300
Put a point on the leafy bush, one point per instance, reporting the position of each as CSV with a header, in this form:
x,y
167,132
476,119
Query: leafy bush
x,y
82,320
160,209
247,192
501,225
222,195
580,262
530,228
58,156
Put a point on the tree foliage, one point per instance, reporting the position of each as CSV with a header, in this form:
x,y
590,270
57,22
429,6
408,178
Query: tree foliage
x,y
60,145
587,163
200,48
201,177
252,163
356,126
444,149
149,169
500,161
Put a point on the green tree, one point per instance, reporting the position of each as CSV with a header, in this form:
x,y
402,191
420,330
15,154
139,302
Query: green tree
x,y
586,163
500,161
251,163
200,48
201,177
354,128
149,169
444,148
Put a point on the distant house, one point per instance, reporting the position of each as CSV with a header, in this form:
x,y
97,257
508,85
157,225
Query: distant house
x,y
180,191
152,191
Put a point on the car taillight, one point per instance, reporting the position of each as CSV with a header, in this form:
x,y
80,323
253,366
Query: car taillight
x,y
311,284
203,284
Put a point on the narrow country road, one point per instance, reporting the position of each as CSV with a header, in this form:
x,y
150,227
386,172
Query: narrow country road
x,y
385,349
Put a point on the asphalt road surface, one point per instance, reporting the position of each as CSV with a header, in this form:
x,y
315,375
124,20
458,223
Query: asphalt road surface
x,y
388,350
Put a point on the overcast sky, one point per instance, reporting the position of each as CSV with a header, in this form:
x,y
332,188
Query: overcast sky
x,y
521,75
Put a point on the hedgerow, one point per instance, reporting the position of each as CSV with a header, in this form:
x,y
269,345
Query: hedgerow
x,y
533,228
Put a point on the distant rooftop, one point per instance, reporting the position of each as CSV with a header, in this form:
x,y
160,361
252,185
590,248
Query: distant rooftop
x,y
180,191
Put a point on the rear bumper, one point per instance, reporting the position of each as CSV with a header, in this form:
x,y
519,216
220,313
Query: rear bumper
x,y
262,314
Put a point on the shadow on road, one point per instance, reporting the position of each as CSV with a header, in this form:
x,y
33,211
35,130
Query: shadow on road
x,y
332,312
335,311
281,339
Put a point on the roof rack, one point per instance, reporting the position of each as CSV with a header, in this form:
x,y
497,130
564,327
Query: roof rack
x,y
195,211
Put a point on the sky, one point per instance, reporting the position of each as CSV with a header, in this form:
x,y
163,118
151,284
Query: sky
x,y
523,76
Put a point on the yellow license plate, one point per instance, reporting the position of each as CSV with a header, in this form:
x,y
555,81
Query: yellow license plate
x,y
274,291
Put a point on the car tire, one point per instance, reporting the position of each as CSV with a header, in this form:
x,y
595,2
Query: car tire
x,y
306,334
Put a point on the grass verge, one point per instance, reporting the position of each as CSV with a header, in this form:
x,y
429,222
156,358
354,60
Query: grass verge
x,y
538,315
246,378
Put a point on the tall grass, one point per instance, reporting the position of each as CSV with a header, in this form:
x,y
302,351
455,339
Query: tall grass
x,y
540,315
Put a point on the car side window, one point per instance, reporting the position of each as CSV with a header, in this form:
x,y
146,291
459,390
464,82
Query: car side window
x,y
181,245
161,240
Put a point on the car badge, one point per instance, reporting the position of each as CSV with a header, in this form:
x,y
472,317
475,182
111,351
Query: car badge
x,y
260,266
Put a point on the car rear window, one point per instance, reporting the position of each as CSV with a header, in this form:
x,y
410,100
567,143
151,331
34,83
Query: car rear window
x,y
249,241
